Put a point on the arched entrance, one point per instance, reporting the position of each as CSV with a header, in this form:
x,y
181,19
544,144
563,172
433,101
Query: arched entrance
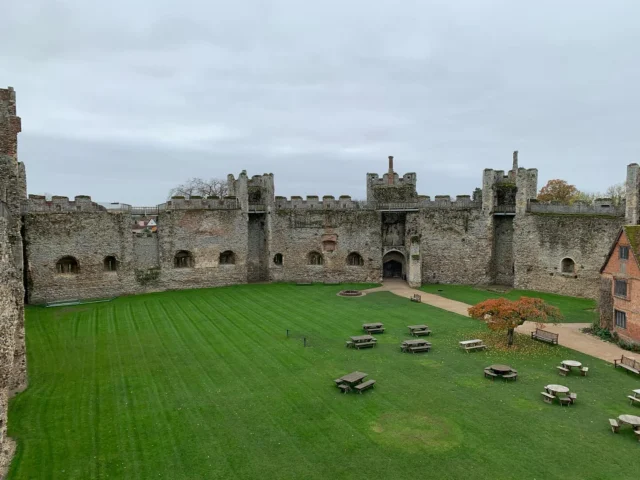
x,y
393,265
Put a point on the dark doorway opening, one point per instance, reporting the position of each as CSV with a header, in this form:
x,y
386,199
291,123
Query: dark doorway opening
x,y
392,269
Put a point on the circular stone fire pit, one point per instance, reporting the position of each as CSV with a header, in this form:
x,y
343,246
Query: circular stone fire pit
x,y
350,293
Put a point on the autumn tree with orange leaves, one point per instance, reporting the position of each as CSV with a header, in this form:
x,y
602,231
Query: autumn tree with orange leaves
x,y
558,191
505,314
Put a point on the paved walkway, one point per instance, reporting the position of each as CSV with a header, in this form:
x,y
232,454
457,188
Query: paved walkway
x,y
570,334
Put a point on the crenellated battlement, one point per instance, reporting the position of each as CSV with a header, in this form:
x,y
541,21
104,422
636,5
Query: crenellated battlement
x,y
601,206
58,204
196,203
344,202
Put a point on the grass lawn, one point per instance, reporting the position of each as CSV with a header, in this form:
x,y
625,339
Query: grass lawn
x,y
575,310
205,384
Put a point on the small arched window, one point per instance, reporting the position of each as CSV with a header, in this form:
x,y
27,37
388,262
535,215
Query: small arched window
x,y
277,259
183,259
110,264
355,260
315,258
568,266
227,258
67,265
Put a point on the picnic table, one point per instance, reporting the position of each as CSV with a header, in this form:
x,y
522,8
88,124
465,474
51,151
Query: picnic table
x,y
475,344
503,371
353,381
635,398
632,420
414,346
419,330
557,388
373,327
360,341
571,363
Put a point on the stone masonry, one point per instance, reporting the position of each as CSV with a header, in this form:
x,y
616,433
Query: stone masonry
x,y
13,375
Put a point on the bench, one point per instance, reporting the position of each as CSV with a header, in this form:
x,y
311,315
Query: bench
x,y
363,386
475,347
628,363
349,344
637,432
565,401
573,397
547,397
338,381
364,344
511,375
584,371
374,330
633,399
562,370
344,387
416,298
614,425
545,336
420,348
419,333
490,374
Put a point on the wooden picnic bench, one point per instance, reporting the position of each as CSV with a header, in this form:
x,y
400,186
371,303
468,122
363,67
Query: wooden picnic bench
x,y
419,348
545,336
633,399
562,370
628,363
470,345
615,426
489,374
584,371
368,344
416,298
373,327
509,376
547,397
420,333
361,387
573,397
637,432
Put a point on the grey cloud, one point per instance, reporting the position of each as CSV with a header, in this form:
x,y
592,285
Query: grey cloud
x,y
122,100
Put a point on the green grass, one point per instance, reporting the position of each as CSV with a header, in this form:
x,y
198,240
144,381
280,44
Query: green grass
x,y
205,384
575,310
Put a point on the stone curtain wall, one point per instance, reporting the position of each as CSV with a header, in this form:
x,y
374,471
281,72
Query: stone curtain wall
x,y
145,264
542,241
295,234
503,250
13,372
456,246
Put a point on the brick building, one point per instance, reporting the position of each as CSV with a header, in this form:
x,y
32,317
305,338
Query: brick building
x,y
620,296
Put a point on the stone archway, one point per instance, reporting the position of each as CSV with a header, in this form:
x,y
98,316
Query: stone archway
x,y
394,265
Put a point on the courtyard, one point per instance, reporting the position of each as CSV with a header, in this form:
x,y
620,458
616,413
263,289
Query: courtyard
x,y
207,384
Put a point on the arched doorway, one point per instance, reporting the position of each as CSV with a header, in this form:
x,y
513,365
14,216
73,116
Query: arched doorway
x,y
393,265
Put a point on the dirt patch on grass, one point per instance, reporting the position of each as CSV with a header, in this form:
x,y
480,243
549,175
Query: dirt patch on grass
x,y
415,432
497,341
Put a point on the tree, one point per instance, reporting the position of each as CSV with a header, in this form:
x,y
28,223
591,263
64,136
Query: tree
x,y
201,187
559,191
505,314
617,192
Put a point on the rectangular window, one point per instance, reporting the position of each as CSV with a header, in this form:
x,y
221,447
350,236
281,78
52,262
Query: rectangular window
x,y
621,319
624,253
620,289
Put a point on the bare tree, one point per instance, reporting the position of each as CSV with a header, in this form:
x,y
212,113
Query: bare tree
x,y
617,193
200,187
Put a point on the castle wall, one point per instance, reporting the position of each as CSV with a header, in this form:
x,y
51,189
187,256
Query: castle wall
x,y
13,371
455,246
296,233
257,261
542,241
146,251
503,270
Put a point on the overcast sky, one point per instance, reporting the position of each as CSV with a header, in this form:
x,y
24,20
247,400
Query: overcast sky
x,y
121,100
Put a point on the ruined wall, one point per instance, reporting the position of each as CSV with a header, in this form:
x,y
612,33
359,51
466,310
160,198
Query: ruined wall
x,y
542,241
144,263
257,261
502,262
333,233
13,372
456,246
